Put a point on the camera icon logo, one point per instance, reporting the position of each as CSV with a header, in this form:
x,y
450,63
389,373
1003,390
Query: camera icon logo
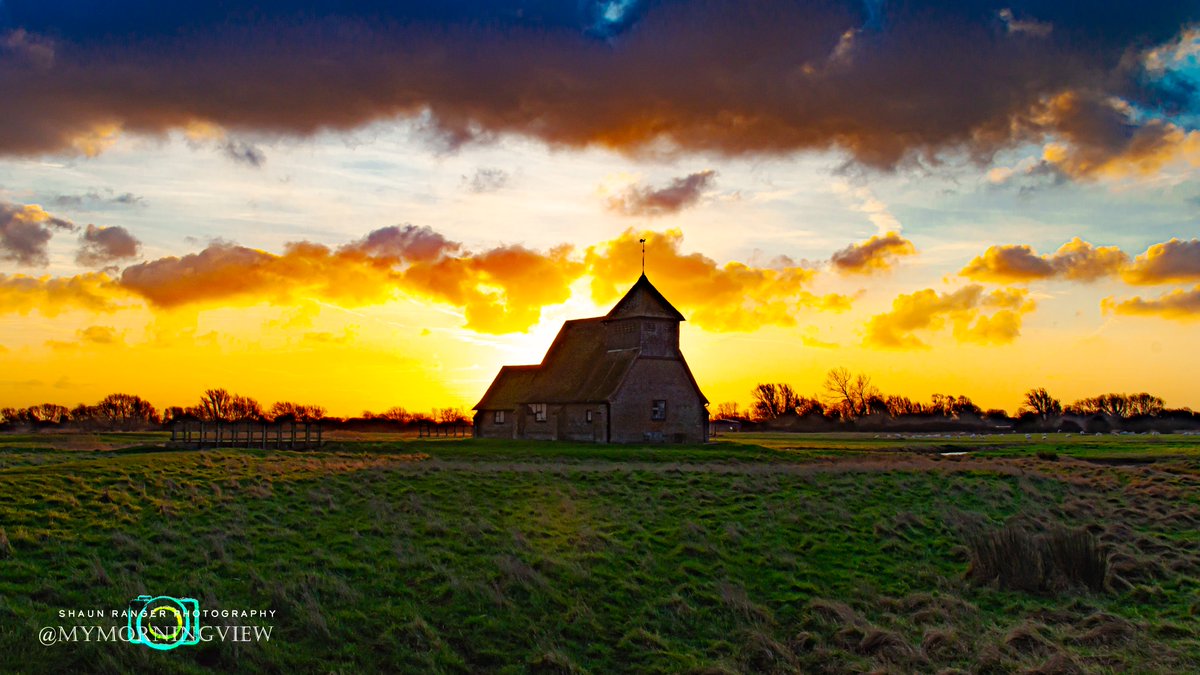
x,y
163,622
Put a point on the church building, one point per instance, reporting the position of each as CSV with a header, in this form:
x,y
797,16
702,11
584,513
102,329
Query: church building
x,y
618,378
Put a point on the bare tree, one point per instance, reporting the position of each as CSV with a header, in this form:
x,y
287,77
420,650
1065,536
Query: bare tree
x,y
448,415
1145,404
1118,405
47,413
220,405
773,400
851,394
949,405
125,411
214,405
296,411
1040,402
725,411
396,414
903,405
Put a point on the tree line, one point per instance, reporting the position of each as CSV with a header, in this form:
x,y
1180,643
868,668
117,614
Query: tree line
x,y
130,412
852,397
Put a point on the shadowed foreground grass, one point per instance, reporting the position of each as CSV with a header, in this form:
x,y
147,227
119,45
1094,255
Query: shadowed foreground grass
x,y
813,554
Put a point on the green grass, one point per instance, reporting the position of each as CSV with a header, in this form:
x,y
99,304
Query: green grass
x,y
756,553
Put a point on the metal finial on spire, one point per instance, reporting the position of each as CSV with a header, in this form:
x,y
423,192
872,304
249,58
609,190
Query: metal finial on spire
x,y
643,243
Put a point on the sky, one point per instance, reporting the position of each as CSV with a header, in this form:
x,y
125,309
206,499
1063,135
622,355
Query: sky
x,y
379,206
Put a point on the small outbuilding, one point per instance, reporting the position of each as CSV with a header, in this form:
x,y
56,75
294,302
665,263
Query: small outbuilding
x,y
618,378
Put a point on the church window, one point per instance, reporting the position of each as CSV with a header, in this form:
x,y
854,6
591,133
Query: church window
x,y
659,410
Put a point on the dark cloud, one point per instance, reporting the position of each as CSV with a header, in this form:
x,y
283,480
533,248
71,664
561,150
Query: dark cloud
x,y
100,246
887,82
242,152
396,243
638,200
25,232
486,180
93,199
1076,260
1171,261
876,254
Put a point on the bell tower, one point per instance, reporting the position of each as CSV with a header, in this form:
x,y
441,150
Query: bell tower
x,y
644,320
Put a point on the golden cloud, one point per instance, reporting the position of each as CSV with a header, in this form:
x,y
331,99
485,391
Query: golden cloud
x,y
1076,260
877,254
499,290
1171,261
730,297
1179,305
93,292
965,309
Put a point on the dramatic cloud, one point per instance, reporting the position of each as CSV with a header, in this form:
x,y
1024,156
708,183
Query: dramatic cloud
x,y
1179,305
1099,137
100,246
714,76
966,310
1171,261
225,273
486,180
876,254
1076,260
499,290
683,192
93,292
25,232
730,297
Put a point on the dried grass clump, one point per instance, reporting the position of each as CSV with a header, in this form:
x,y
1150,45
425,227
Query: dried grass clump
x,y
941,644
1016,558
1058,664
1027,638
762,653
887,645
832,611
1104,629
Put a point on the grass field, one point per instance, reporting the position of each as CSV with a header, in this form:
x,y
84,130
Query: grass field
x,y
757,553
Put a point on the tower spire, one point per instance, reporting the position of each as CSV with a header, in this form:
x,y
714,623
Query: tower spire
x,y
643,243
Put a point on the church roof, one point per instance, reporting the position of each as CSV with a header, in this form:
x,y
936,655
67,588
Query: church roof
x,y
509,388
644,300
577,368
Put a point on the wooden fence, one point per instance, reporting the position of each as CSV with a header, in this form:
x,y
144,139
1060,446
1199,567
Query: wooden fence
x,y
277,435
448,429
